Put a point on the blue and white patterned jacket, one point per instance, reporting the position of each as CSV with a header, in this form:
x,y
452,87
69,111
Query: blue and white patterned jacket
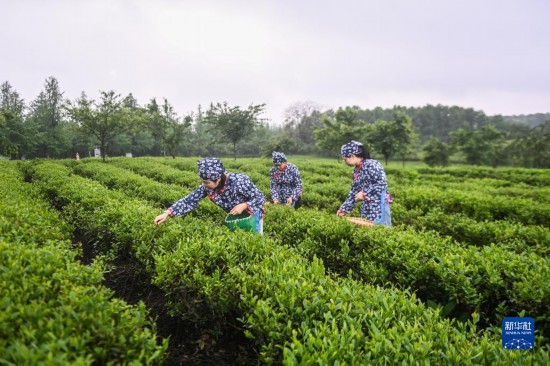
x,y
370,178
287,183
238,188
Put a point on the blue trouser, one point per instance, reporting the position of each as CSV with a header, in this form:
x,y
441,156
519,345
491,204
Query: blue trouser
x,y
259,222
297,204
385,214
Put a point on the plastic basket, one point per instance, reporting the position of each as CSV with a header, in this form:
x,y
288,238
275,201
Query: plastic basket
x,y
360,222
242,221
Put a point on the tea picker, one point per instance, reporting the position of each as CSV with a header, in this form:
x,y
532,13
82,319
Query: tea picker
x,y
235,193
286,182
369,186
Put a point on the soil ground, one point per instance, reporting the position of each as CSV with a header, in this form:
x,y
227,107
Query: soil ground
x,y
189,343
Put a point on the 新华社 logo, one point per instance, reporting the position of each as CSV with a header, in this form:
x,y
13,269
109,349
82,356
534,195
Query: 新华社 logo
x,y
518,333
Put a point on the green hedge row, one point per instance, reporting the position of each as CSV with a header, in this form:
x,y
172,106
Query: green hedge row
x,y
492,187
477,205
294,311
155,170
513,236
533,177
491,281
132,183
54,310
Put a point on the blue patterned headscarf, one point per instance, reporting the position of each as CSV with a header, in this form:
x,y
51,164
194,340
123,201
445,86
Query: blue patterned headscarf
x,y
351,148
210,168
278,157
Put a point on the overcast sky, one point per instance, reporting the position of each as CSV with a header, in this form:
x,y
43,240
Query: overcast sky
x,y
490,55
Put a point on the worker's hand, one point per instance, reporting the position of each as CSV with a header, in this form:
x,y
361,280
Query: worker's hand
x,y
361,196
289,201
238,209
161,218
340,213
276,202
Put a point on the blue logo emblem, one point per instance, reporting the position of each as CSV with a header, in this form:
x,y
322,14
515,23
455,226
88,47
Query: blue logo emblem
x,y
518,333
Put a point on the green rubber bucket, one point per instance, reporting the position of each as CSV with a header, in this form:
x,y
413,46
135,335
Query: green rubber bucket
x,y
242,221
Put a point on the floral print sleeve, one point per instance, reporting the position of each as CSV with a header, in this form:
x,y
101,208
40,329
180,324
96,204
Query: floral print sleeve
x,y
349,203
189,202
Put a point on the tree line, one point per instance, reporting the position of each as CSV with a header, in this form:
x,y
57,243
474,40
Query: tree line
x,y
52,126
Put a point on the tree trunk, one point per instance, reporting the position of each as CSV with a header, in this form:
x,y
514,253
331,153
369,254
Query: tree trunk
x,y
103,143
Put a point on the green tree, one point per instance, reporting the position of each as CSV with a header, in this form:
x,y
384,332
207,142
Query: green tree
x,y
204,139
300,120
338,130
392,138
174,130
480,146
232,123
436,152
402,134
16,136
104,120
7,148
282,142
179,132
137,137
165,127
10,100
155,125
46,113
496,145
380,137
534,149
